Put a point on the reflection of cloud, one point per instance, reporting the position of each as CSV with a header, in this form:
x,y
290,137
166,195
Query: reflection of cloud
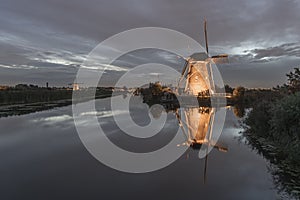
x,y
18,66
84,118
103,114
54,119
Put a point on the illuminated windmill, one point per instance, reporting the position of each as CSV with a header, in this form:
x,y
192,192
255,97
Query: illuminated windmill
x,y
197,125
198,70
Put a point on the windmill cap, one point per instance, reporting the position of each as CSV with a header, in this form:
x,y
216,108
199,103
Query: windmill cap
x,y
199,56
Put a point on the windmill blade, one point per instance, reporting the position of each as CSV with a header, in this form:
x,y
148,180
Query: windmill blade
x,y
205,33
205,169
220,59
207,148
216,145
221,56
185,68
181,124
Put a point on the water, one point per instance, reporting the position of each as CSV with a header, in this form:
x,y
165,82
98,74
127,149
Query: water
x,y
42,157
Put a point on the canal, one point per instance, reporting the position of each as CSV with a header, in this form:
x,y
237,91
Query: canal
x,y
42,157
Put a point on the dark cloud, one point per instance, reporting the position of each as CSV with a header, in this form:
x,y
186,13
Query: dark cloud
x,y
229,20
290,49
55,36
263,55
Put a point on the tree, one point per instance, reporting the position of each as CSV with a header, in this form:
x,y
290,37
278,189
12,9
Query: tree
x,y
239,110
239,92
294,80
228,89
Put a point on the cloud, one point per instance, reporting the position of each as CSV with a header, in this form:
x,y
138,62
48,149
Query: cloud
x,y
269,54
106,67
54,37
59,58
290,49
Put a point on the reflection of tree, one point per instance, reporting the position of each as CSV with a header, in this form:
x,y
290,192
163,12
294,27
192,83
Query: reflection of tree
x,y
239,110
156,111
273,129
204,93
285,172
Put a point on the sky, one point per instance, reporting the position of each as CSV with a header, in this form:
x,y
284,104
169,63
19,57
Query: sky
x,y
48,40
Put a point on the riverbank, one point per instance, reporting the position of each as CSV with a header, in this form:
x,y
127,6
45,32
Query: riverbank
x,y
26,108
272,127
23,99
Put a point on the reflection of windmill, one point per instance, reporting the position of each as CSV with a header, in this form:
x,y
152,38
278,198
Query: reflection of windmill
x,y
75,86
198,70
198,129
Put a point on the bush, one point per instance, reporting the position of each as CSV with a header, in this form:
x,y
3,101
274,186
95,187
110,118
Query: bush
x,y
279,122
285,122
258,120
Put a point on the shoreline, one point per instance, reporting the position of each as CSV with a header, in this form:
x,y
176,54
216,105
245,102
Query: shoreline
x,y
27,108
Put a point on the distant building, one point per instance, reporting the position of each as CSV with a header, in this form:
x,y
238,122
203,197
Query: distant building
x,y
26,87
75,86
22,86
4,87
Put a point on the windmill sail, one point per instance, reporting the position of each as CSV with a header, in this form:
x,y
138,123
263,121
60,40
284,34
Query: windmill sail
x,y
205,33
200,72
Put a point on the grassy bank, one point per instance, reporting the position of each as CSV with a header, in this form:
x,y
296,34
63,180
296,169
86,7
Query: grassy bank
x,y
273,129
14,101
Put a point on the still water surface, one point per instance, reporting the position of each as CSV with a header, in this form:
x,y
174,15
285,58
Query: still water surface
x,y
42,157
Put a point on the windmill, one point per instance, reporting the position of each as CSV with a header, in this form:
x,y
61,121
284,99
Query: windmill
x,y
197,128
198,70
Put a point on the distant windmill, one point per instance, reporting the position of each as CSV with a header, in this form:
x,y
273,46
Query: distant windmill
x,y
75,86
198,70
